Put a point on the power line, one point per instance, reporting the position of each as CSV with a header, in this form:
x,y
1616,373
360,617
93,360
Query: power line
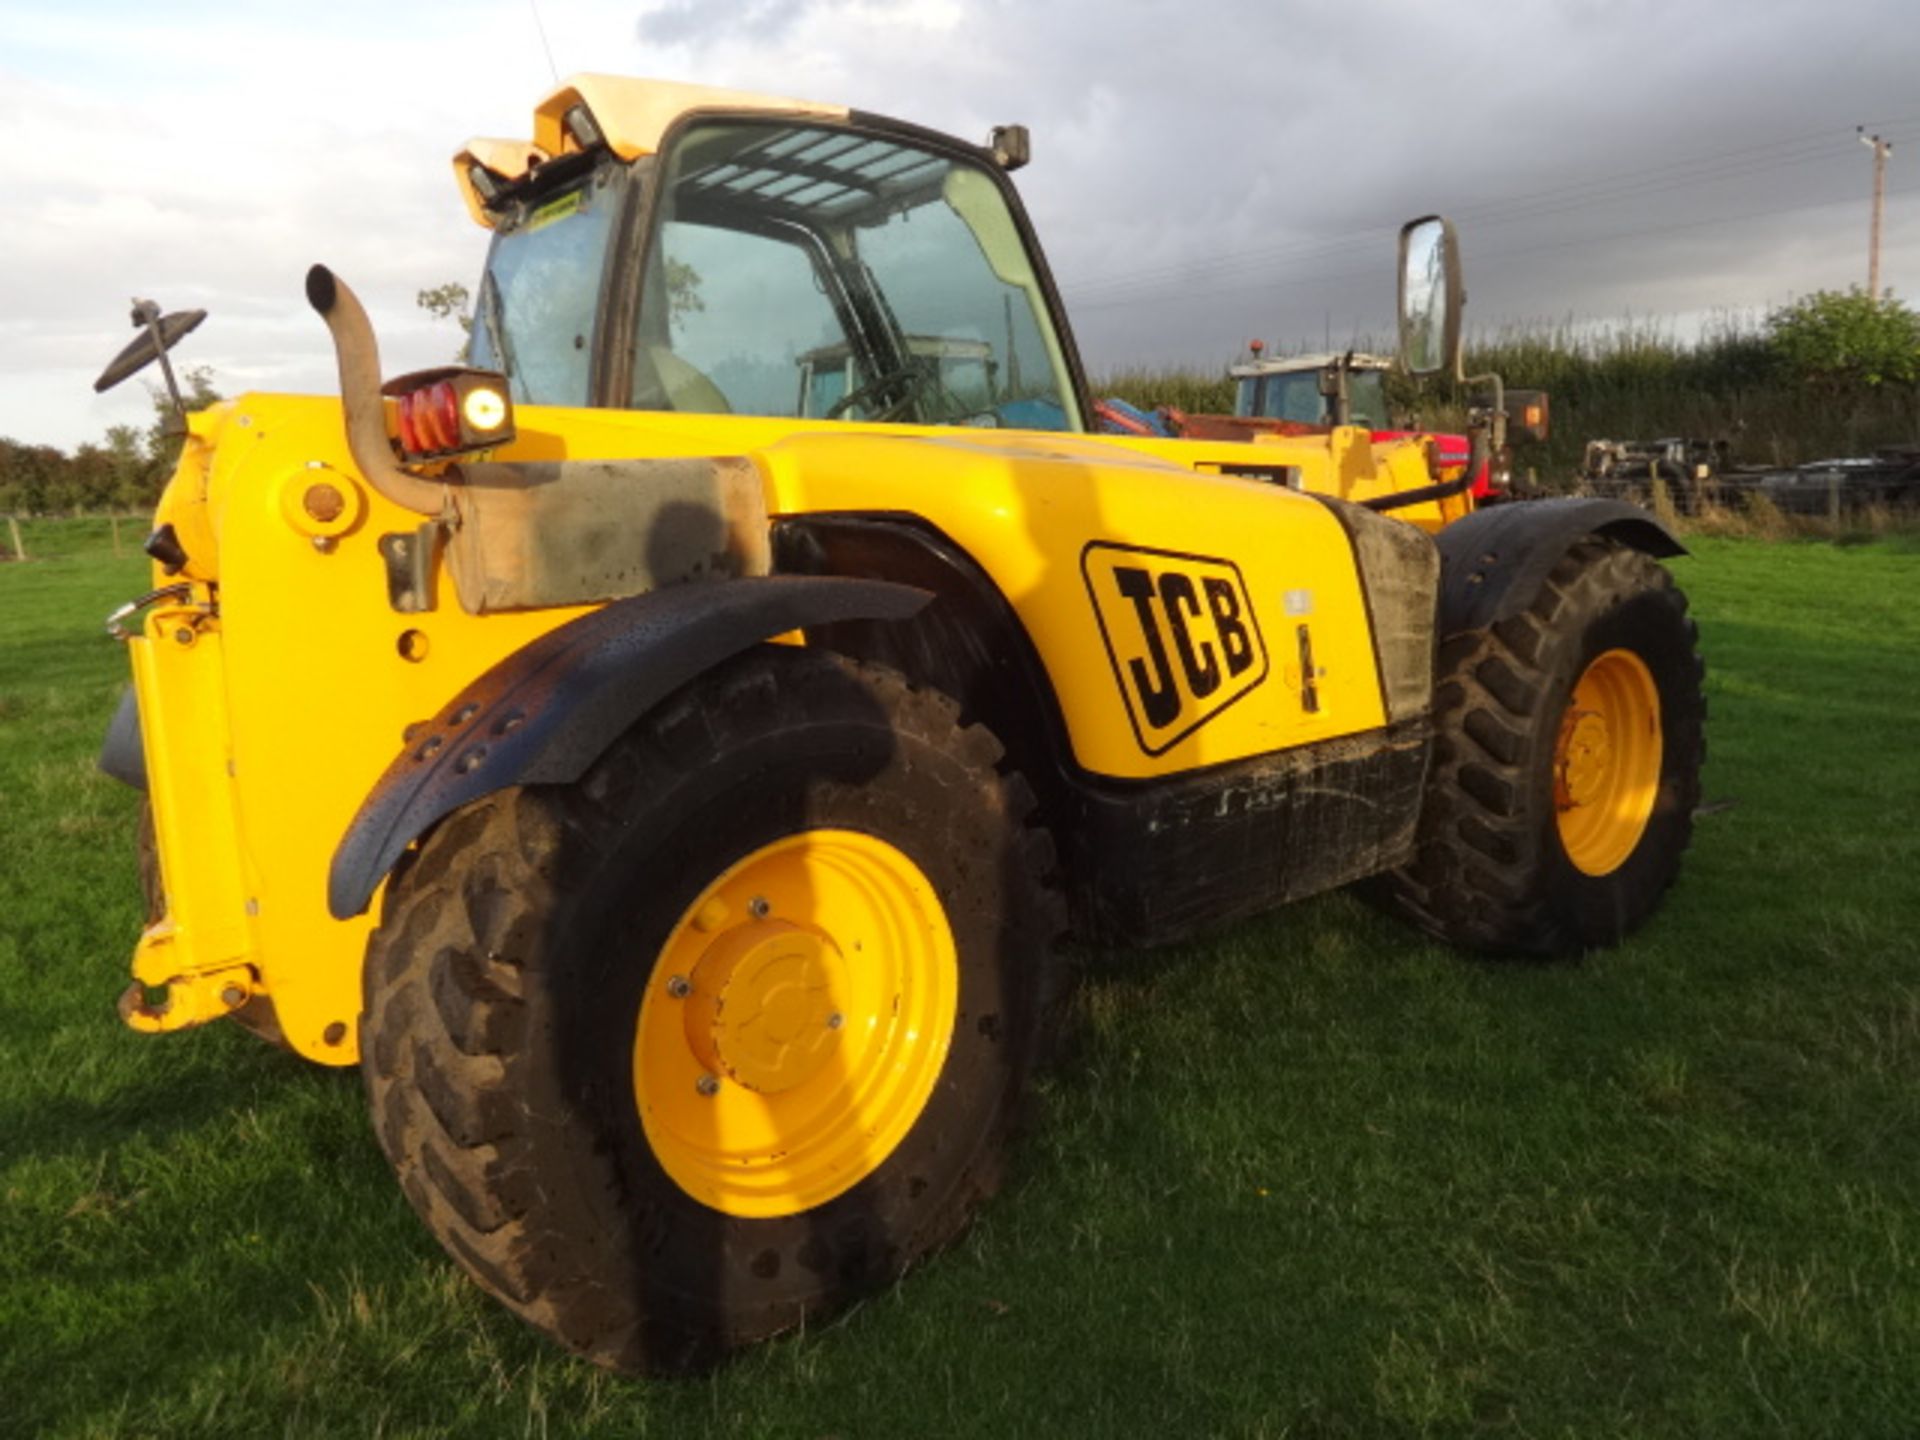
x,y
1303,281
1612,189
1132,282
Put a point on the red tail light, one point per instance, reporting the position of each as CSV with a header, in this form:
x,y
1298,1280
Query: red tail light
x,y
447,412
409,433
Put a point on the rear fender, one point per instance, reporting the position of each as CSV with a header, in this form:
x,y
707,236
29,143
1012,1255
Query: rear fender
x,y
1493,562
121,755
548,711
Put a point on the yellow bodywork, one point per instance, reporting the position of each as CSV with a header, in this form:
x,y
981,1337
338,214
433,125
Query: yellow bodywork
x,y
267,726
1185,617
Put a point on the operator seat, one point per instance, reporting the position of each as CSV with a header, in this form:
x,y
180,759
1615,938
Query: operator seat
x,y
663,381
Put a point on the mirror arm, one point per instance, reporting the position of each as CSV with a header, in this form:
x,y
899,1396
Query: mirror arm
x,y
1494,424
147,313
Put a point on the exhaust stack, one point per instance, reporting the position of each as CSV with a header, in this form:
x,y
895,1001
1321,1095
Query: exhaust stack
x,y
366,416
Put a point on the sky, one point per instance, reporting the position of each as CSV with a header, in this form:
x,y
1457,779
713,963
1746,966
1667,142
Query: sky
x,y
1204,171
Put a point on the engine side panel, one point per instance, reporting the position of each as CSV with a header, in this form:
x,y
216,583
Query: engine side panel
x,y
1184,620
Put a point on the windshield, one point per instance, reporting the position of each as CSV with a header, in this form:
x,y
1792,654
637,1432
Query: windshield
x,y
1367,397
534,317
817,273
1295,395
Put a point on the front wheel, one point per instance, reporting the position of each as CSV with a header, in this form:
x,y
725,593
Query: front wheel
x,y
729,1032
1566,765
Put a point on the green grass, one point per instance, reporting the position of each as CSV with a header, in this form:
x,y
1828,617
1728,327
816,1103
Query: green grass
x,y
1314,1177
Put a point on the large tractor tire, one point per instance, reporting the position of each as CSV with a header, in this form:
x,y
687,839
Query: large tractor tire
x,y
1566,766
731,1031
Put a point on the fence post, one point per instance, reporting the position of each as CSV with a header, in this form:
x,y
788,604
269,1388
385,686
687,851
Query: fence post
x,y
19,550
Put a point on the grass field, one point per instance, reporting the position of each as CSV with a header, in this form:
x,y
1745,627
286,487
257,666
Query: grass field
x,y
1313,1177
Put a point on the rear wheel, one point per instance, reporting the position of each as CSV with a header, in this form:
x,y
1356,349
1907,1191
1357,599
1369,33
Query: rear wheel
x,y
729,1032
1567,763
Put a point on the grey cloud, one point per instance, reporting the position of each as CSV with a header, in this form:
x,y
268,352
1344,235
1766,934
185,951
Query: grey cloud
x,y
1205,170
694,22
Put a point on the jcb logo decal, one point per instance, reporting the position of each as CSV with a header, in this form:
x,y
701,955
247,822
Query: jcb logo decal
x,y
1181,634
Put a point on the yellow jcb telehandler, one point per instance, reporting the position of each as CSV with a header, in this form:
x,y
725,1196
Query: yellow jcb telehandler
x,y
674,799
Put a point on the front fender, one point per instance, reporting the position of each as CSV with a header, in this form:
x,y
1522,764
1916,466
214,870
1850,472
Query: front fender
x,y
1494,561
547,712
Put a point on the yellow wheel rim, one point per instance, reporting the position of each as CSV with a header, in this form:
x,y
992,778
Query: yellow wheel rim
x,y
795,1023
1606,762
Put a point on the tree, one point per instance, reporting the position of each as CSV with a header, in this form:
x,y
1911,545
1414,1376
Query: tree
x,y
683,290
136,479
1848,343
451,301
196,390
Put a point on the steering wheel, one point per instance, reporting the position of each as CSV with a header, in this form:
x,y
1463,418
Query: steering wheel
x,y
913,375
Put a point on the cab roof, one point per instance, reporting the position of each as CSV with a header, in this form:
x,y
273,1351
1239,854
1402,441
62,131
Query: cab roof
x,y
632,114
1289,364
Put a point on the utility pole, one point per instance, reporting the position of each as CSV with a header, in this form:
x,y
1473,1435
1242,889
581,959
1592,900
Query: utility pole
x,y
1881,149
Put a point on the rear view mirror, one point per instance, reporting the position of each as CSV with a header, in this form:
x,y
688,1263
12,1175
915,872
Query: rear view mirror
x,y
157,336
1430,296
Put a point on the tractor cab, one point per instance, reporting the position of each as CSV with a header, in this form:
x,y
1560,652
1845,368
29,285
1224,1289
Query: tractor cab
x,y
1343,389
965,369
887,270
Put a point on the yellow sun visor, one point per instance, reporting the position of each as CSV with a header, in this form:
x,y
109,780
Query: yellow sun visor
x,y
630,116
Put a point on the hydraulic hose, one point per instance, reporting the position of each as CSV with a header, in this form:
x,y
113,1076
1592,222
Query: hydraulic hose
x,y
1477,454
366,416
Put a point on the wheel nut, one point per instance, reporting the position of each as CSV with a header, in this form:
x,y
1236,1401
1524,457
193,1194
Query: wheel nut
x,y
678,987
707,1085
232,996
836,1020
758,907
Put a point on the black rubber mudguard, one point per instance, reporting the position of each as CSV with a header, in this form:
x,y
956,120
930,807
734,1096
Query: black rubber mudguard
x,y
1493,562
121,753
546,712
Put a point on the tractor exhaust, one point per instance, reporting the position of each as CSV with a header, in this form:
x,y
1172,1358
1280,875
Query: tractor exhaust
x,y
366,415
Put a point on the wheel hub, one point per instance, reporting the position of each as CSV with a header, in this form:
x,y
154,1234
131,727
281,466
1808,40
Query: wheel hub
x,y
795,1023
1586,758
1606,762
763,1012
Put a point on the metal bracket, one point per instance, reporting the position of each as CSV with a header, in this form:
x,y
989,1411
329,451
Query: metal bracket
x,y
187,1000
182,592
411,556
